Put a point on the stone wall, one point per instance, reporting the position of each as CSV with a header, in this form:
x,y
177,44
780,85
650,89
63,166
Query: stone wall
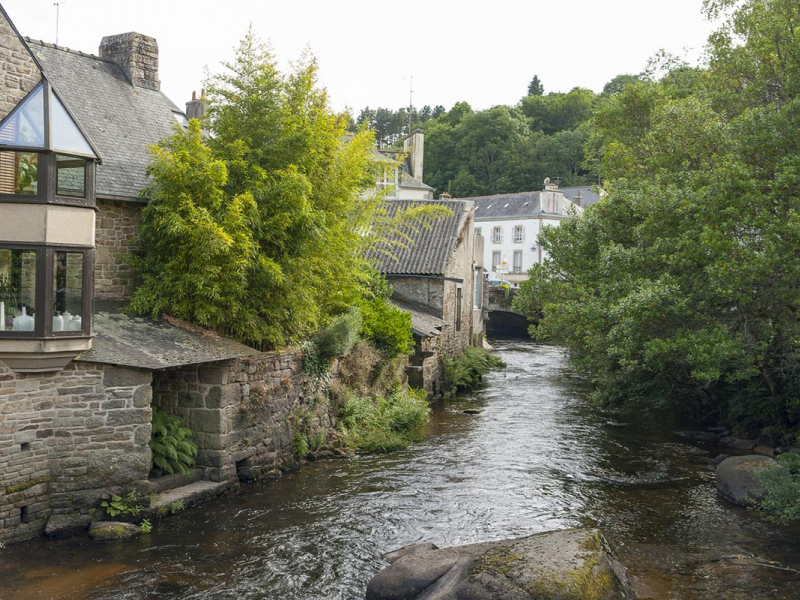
x,y
116,225
17,68
242,411
66,438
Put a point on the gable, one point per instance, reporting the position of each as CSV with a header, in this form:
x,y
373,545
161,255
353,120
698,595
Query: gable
x,y
21,73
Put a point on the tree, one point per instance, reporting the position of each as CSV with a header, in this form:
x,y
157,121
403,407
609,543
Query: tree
x,y
620,81
682,287
558,112
535,87
255,231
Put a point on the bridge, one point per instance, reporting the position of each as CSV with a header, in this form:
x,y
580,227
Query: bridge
x,y
501,319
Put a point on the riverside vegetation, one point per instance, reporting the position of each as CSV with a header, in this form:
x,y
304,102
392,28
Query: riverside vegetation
x,y
680,289
256,225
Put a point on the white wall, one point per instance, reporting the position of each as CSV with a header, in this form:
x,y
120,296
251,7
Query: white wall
x,y
529,246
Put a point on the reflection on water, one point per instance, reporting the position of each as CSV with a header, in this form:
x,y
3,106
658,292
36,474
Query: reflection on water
x,y
537,457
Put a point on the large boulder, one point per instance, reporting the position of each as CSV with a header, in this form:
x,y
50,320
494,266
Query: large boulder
x,y
737,480
574,564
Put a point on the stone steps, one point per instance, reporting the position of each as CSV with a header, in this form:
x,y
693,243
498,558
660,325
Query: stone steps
x,y
170,482
189,494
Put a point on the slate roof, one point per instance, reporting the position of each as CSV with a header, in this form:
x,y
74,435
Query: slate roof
x,y
407,181
429,249
587,191
134,341
122,120
508,206
423,323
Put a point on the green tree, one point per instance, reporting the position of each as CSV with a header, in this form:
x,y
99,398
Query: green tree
x,y
558,112
620,81
258,233
682,287
535,87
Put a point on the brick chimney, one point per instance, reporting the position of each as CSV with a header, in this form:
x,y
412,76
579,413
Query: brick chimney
x,y
136,54
196,107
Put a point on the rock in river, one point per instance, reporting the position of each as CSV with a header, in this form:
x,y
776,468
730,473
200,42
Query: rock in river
x,y
736,479
111,530
574,564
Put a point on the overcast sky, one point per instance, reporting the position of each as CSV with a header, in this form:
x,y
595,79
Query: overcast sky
x,y
483,52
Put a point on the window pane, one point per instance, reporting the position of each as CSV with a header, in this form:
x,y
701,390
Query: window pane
x,y
66,135
25,125
19,173
517,260
70,176
68,291
17,289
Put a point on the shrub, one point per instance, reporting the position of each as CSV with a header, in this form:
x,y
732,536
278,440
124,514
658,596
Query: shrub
x,y
386,326
337,339
466,370
122,505
782,483
383,423
171,445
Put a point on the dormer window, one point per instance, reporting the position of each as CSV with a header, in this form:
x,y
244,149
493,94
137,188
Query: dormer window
x,y
46,234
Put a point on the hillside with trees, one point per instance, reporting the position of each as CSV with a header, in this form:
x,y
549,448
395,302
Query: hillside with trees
x,y
504,148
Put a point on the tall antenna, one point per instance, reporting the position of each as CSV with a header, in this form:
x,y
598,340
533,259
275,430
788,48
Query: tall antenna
x,y
410,102
58,11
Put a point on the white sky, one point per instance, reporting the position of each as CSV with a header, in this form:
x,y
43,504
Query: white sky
x,y
483,52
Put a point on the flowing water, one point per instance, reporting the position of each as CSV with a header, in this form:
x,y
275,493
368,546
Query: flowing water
x,y
537,457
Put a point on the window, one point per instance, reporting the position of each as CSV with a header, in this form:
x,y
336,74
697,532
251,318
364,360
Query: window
x,y
497,235
517,261
519,234
17,289
68,291
495,260
66,135
70,176
478,231
25,125
19,173
458,309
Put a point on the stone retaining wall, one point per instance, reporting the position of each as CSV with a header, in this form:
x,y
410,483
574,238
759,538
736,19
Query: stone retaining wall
x,y
66,438
243,411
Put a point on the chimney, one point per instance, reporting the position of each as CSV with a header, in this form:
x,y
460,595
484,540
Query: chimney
x,y
196,107
136,54
579,199
415,146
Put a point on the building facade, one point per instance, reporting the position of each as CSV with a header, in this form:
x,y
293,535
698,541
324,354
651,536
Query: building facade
x,y
510,225
436,275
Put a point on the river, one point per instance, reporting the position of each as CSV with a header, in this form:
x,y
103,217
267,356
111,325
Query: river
x,y
536,457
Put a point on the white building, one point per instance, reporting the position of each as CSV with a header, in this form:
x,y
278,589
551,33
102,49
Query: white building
x,y
510,225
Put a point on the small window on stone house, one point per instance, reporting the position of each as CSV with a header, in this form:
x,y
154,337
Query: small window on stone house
x,y
458,309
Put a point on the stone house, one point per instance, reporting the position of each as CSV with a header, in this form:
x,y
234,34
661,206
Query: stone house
x,y
510,225
436,273
78,378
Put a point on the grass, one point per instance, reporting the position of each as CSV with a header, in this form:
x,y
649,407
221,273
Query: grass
x,y
383,423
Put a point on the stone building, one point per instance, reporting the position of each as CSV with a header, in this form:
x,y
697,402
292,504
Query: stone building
x,y
436,272
78,378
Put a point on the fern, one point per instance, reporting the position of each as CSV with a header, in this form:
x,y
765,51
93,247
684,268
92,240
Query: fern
x,y
171,446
